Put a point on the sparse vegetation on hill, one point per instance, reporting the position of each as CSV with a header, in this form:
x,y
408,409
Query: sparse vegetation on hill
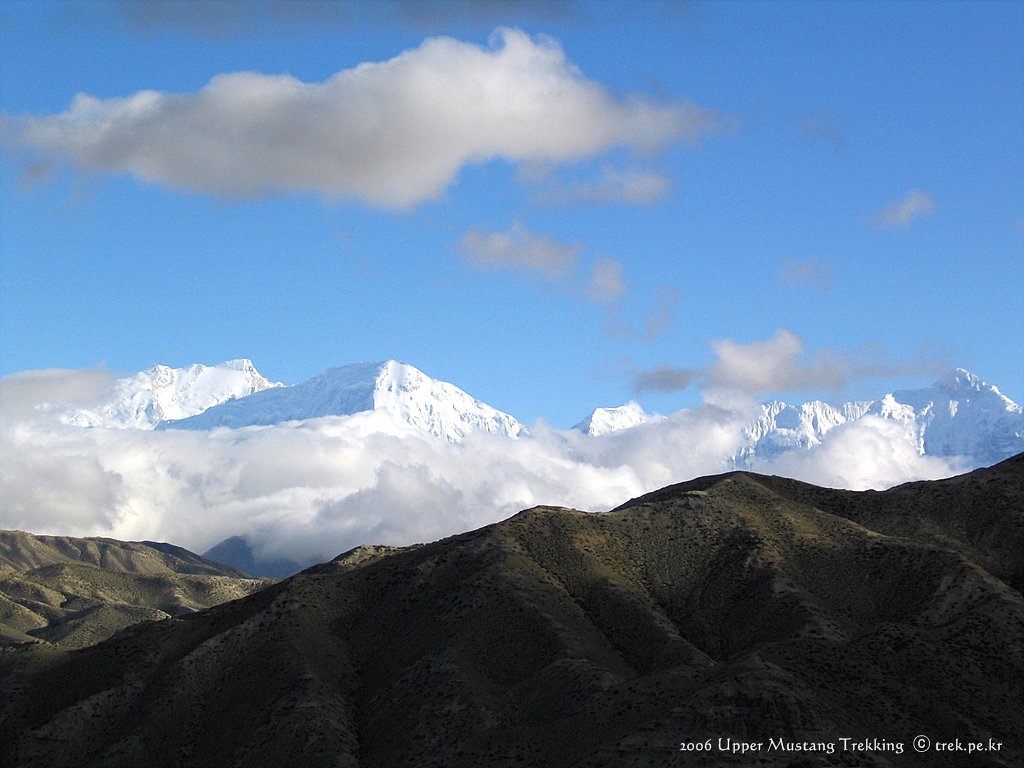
x,y
76,592
733,606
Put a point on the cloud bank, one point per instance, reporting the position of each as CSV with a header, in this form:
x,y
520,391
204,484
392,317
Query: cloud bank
x,y
392,134
309,490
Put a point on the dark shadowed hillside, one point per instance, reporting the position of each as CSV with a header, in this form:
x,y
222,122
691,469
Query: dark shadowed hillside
x,y
76,592
736,606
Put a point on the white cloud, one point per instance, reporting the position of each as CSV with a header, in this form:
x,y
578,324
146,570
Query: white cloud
x,y
775,365
760,366
915,205
868,453
392,133
311,490
519,248
35,392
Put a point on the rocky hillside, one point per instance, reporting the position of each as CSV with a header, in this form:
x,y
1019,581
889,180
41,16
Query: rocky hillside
x,y
76,592
736,606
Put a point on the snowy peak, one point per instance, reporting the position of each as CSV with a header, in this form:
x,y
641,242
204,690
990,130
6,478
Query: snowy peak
x,y
161,393
959,415
960,380
403,392
962,415
962,386
603,421
435,406
781,427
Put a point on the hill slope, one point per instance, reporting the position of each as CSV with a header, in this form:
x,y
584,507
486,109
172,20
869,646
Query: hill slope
x,y
77,592
734,606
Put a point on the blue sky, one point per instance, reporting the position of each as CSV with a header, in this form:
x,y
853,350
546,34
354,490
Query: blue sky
x,y
576,212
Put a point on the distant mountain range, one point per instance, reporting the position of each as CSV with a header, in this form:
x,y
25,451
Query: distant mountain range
x,y
405,393
159,394
74,592
736,607
960,415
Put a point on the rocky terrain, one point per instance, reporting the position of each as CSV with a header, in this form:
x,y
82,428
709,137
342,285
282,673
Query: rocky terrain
x,y
76,592
735,607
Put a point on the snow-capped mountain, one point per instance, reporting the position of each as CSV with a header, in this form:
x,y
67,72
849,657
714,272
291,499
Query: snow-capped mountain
x,y
603,421
402,391
160,393
959,415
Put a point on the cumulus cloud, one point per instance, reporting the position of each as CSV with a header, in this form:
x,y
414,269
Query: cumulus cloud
x,y
777,364
309,490
915,205
761,366
749,369
393,133
519,248
868,453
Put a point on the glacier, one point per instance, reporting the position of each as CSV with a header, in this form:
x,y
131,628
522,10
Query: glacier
x,y
161,393
604,421
960,415
397,389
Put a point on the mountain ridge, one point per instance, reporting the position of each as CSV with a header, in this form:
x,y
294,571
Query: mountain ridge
x,y
397,389
161,393
719,607
960,415
69,592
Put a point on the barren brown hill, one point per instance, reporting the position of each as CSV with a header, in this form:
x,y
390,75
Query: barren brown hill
x,y
736,607
76,592
20,551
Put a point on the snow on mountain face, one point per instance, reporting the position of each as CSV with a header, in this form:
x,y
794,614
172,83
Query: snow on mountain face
x,y
160,393
960,415
405,393
603,421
